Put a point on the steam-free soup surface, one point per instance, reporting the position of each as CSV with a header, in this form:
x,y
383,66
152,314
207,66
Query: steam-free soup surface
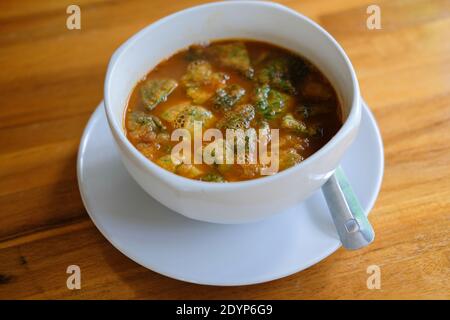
x,y
233,85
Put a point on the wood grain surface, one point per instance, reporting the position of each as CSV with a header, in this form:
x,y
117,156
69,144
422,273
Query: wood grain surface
x,y
51,80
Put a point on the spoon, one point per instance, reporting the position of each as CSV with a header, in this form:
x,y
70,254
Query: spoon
x,y
352,225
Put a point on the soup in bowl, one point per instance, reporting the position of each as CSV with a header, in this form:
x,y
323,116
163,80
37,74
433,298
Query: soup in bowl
x,y
250,92
206,71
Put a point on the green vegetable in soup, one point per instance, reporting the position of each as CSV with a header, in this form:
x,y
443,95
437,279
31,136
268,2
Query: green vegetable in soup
x,y
233,55
195,52
270,103
188,116
199,95
144,126
212,177
289,122
238,118
170,115
199,72
276,74
155,91
183,116
227,97
141,119
201,82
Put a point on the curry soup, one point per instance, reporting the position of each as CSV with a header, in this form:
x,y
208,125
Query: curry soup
x,y
233,84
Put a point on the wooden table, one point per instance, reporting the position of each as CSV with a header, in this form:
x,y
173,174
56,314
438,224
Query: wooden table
x,y
51,80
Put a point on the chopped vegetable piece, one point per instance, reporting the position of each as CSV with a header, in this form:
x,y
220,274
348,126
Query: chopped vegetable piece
x,y
238,118
163,137
293,141
233,55
212,177
269,102
155,91
195,52
201,82
144,126
289,122
166,163
199,95
140,119
187,117
198,72
170,115
227,97
183,116
289,158
276,74
189,171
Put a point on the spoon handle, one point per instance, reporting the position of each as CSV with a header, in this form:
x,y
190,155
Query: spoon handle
x,y
352,225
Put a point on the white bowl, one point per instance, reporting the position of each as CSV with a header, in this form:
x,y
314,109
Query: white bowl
x,y
245,201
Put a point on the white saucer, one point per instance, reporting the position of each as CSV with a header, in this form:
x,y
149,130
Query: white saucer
x,y
200,252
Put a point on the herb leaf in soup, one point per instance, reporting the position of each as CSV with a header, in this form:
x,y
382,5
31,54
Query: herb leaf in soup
x,y
155,91
233,55
239,118
289,122
212,177
270,103
276,73
201,82
227,97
